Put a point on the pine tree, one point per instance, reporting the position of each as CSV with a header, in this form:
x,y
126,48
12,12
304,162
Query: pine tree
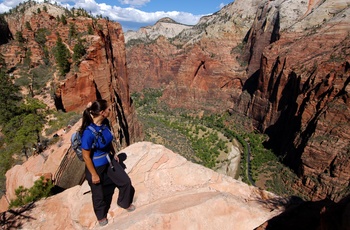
x,y
9,98
63,20
79,50
62,56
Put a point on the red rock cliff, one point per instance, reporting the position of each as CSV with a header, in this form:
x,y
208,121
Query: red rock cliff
x,y
103,74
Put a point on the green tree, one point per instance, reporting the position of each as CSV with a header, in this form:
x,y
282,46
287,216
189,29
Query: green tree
x,y
40,36
90,30
9,98
62,56
19,37
6,162
2,63
40,189
28,124
46,57
63,20
72,33
79,50
27,59
28,26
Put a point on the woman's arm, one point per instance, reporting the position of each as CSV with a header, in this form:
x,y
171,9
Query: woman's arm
x,y
90,166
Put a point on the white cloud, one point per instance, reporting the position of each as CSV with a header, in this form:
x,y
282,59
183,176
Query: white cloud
x,y
5,6
119,14
135,15
130,14
222,5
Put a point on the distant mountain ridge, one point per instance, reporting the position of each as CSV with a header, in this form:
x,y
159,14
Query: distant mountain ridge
x,y
166,27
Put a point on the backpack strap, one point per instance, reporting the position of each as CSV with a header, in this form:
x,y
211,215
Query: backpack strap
x,y
96,134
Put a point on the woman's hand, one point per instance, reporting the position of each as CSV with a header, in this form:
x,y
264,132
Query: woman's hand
x,y
95,179
116,157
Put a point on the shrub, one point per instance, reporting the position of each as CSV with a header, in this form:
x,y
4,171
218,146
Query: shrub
x,y
41,188
62,56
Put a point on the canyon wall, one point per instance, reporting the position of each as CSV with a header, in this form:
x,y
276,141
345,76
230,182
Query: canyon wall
x,y
283,64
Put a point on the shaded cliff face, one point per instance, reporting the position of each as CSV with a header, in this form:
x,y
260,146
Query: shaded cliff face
x,y
284,64
100,73
302,81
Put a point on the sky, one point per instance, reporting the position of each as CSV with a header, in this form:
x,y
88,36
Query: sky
x,y
133,14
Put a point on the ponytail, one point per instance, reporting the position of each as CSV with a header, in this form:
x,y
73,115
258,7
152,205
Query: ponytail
x,y
87,120
92,110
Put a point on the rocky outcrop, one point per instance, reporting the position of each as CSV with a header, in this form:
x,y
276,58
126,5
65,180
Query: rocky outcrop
x,y
103,74
171,193
283,64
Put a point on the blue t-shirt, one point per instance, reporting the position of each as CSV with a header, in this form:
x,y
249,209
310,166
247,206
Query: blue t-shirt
x,y
102,145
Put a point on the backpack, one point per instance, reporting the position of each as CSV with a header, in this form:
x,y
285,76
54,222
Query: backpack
x,y
76,141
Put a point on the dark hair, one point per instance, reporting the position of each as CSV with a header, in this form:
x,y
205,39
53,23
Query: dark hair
x,y
93,111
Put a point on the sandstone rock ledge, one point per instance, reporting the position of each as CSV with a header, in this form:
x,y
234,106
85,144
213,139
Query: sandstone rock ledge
x,y
171,193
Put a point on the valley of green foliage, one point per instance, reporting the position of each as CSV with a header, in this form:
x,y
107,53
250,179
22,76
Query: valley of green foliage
x,y
196,138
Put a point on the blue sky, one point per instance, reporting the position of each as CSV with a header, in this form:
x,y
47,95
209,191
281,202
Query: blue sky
x,y
133,14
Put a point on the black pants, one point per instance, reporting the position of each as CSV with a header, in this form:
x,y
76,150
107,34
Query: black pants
x,y
109,179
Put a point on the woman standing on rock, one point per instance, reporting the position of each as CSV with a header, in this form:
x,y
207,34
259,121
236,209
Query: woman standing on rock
x,y
98,152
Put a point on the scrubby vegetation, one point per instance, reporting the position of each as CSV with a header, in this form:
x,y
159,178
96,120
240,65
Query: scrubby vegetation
x,y
40,189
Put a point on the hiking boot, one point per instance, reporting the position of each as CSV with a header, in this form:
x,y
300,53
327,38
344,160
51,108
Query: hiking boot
x,y
131,208
103,222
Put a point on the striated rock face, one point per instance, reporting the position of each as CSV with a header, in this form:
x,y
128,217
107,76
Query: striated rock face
x,y
103,74
171,193
284,64
301,93
196,68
